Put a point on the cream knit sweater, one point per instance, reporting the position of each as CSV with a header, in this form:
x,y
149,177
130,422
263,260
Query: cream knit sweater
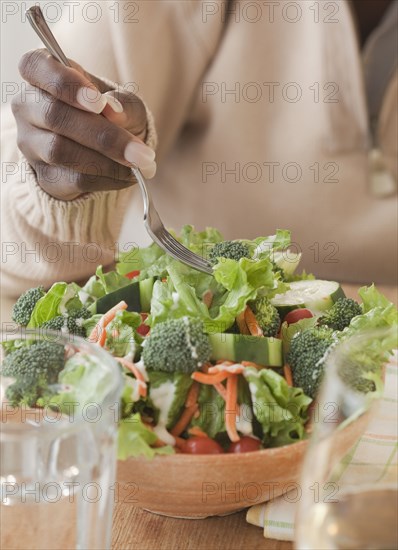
x,y
262,124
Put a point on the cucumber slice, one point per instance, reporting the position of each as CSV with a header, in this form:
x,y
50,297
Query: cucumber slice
x,y
238,347
146,289
316,295
288,261
136,295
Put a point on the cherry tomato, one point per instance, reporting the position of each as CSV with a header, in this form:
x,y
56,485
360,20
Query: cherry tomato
x,y
297,315
202,446
132,274
143,329
246,444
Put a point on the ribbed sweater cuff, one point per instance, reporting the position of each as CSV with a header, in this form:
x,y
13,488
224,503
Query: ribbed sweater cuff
x,y
92,218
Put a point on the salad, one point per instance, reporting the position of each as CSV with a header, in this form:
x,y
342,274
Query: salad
x,y
229,362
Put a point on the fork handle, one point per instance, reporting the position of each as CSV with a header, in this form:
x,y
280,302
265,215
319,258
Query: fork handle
x,y
36,19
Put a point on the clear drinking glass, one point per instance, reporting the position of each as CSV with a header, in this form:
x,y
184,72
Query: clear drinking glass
x,y
58,469
349,479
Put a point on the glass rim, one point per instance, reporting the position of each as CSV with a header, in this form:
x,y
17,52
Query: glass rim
x,y
81,344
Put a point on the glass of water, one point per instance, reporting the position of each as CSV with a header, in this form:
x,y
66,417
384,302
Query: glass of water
x,y
57,458
349,480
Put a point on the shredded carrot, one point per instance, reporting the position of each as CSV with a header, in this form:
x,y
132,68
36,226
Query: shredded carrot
x,y
142,387
191,407
205,368
221,390
231,408
252,323
184,420
196,431
207,298
240,321
96,333
211,379
102,339
192,395
251,364
223,362
235,368
287,371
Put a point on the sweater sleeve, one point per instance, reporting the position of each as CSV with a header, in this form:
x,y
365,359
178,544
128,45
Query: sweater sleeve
x,y
157,50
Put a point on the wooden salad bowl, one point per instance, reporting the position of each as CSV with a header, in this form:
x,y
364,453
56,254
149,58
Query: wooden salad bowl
x,y
199,486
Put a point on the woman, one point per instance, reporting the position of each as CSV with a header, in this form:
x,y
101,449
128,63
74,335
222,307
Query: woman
x,y
261,121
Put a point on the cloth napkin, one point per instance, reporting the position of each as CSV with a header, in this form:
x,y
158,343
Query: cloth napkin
x,y
377,447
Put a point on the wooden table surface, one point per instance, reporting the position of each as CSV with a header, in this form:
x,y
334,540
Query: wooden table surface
x,y
140,530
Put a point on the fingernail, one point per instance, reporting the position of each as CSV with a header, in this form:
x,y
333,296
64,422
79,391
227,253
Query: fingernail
x,y
91,99
149,171
113,103
138,153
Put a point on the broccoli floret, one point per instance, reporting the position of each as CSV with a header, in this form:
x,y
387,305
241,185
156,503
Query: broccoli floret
x,y
71,322
24,306
362,369
339,316
306,357
266,315
233,250
34,368
177,345
278,270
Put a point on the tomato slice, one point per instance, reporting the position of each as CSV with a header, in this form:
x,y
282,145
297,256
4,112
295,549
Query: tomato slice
x,y
132,274
297,314
246,444
202,446
143,329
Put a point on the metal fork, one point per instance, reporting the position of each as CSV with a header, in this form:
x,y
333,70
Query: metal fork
x,y
152,221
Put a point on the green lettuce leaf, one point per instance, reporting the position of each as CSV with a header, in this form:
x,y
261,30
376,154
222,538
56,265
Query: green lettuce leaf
x,y
61,298
264,247
101,284
372,298
121,335
112,280
368,356
200,242
378,312
135,440
238,282
83,380
138,259
211,417
173,385
280,409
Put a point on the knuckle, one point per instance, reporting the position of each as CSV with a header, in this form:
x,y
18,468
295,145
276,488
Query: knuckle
x,y
28,64
61,84
55,114
54,151
107,137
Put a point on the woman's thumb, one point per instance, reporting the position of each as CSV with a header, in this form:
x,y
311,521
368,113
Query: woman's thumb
x,y
127,111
